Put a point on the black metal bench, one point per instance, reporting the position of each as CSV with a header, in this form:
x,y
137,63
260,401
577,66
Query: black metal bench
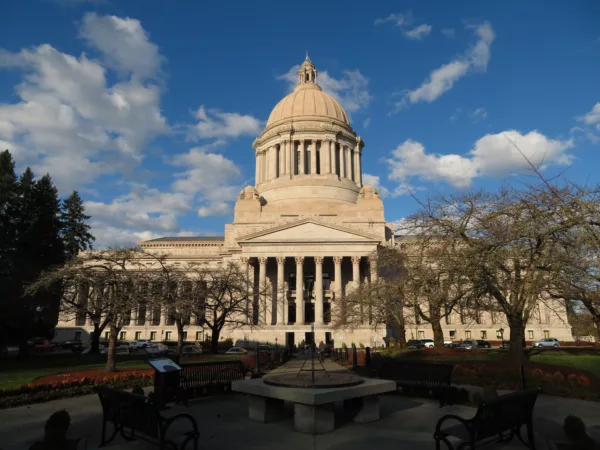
x,y
139,416
501,417
414,376
196,377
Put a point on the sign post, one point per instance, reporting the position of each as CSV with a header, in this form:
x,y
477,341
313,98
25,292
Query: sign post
x,y
166,380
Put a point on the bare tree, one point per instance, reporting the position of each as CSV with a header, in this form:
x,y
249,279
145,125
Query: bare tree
x,y
435,283
509,241
379,303
225,296
113,278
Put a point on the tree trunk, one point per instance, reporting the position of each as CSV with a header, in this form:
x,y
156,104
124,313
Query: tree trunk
x,y
95,339
111,361
438,333
517,337
179,324
214,342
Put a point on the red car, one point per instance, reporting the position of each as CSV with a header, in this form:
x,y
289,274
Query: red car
x,y
41,345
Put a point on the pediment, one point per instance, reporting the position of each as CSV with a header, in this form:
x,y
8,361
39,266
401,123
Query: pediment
x,y
309,231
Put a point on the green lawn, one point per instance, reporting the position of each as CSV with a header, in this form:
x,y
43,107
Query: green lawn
x,y
583,360
588,361
14,373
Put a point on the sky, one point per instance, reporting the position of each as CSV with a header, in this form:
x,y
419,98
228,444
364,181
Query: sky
x,y
149,108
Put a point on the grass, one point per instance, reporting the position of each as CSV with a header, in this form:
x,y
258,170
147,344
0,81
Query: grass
x,y
14,373
588,361
582,360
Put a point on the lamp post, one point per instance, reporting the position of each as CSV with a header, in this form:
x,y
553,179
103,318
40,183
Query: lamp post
x,y
501,331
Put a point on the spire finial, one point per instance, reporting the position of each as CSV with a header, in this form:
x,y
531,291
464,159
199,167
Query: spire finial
x,y
307,57
307,73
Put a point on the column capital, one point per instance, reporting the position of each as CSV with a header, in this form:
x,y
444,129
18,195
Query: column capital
x,y
245,259
280,260
337,260
356,259
319,260
299,259
262,260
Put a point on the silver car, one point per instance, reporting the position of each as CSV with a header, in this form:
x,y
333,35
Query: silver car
x,y
547,342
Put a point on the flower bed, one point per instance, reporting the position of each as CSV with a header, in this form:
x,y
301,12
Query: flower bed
x,y
52,387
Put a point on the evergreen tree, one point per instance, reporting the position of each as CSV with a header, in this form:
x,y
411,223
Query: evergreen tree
x,y
8,237
75,232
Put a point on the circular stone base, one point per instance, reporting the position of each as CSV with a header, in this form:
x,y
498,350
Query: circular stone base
x,y
303,380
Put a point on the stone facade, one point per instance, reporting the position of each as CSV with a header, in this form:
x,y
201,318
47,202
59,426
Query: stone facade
x,y
305,230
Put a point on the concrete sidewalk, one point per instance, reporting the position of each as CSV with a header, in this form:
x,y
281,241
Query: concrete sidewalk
x,y
223,421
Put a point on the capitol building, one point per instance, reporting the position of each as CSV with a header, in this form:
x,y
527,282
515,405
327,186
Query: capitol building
x,y
305,230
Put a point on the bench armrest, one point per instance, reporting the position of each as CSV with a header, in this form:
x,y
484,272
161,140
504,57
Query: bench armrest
x,y
466,422
169,421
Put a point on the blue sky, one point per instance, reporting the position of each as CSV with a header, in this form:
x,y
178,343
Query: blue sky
x,y
149,108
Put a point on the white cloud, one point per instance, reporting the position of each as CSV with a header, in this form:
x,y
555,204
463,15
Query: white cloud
x,y
352,90
124,45
449,32
112,237
592,117
478,114
443,78
213,123
405,22
418,32
69,115
367,122
374,181
210,176
493,155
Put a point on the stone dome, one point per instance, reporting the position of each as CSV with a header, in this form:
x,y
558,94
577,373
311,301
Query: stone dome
x,y
308,101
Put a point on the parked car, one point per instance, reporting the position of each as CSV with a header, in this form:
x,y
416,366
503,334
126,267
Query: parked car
x,y
264,349
482,343
427,343
74,345
414,343
191,350
157,349
142,343
41,345
236,351
448,343
547,342
9,351
469,344
129,345
118,351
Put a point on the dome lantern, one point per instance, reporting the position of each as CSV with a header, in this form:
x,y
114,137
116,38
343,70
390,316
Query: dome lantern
x,y
307,72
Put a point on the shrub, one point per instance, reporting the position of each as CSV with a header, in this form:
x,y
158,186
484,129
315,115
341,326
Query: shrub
x,y
361,345
344,346
558,378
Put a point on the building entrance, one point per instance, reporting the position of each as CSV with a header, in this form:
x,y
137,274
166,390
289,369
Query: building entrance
x,y
289,341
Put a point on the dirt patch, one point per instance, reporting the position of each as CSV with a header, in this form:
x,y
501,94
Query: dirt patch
x,y
92,374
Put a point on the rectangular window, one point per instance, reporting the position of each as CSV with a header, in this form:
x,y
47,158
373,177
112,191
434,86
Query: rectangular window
x,y
484,334
462,315
546,334
498,334
338,160
452,334
199,335
297,163
421,335
153,335
107,335
467,335
530,335
138,335
167,336
123,335
494,318
326,282
417,316
352,164
318,162
185,335
278,157
307,161
80,318
78,335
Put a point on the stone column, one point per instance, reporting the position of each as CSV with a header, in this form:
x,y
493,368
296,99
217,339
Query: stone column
x,y
282,158
337,304
273,163
133,315
356,271
373,269
319,320
301,157
279,319
348,163
332,156
313,157
257,168
250,281
163,316
357,166
262,286
291,148
299,290
325,157
263,175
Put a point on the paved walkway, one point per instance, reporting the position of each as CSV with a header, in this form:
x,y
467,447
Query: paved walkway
x,y
405,423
